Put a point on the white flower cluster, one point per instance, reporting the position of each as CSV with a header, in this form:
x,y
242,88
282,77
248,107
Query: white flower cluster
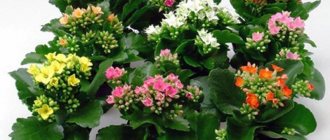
x,y
206,41
204,12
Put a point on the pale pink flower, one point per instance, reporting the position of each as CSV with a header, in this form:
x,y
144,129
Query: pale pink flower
x,y
172,77
169,3
149,82
178,84
292,56
160,96
165,52
160,85
140,90
110,99
148,102
171,91
114,73
274,29
118,92
297,23
189,95
257,36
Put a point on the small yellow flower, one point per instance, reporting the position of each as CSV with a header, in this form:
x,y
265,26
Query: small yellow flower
x,y
61,58
85,64
63,42
97,10
37,103
53,82
45,75
33,70
64,20
78,13
45,111
50,56
57,67
73,81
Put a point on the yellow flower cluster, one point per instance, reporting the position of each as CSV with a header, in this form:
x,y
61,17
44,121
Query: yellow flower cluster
x,y
45,108
59,66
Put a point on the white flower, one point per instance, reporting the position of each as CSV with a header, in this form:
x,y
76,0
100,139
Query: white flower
x,y
195,5
208,38
153,30
172,20
211,16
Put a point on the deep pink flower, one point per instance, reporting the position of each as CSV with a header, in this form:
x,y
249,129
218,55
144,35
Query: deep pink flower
x,y
149,82
169,3
114,73
160,96
292,56
148,102
257,36
118,92
110,99
172,77
274,29
171,91
160,85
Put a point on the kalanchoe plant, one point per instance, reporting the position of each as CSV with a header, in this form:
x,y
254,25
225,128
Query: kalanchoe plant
x,y
197,31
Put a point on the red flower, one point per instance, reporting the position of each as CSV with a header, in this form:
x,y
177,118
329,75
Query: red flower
x,y
287,91
265,74
270,96
310,86
239,82
277,68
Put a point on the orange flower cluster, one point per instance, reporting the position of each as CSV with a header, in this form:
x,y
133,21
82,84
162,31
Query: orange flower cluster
x,y
263,85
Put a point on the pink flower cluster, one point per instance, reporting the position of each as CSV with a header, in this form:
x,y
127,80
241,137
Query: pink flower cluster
x,y
166,56
157,89
114,73
285,19
165,53
118,93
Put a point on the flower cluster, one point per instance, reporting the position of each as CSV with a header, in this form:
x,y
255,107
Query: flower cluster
x,y
114,75
45,107
160,95
303,87
285,54
60,78
262,86
166,57
206,42
285,27
259,41
90,27
201,13
221,134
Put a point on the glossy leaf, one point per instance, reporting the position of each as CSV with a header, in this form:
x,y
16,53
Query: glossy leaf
x,y
33,129
318,81
226,36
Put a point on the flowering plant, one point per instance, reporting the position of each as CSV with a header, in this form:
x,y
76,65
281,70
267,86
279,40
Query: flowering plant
x,y
164,64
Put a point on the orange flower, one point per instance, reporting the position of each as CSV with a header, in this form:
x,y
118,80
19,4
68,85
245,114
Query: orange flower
x,y
277,68
64,20
78,13
111,17
287,91
310,86
239,82
249,68
265,74
97,10
270,96
252,100
62,42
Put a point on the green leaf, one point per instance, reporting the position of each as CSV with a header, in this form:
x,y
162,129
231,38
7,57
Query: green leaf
x,y
300,118
204,123
116,132
138,119
33,58
269,113
61,4
178,123
226,36
274,135
33,129
191,61
141,73
74,132
319,85
53,26
238,132
99,78
88,115
309,6
241,9
291,68
224,94
181,48
177,135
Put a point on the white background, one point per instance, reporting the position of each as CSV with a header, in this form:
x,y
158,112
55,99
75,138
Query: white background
x,y
20,24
